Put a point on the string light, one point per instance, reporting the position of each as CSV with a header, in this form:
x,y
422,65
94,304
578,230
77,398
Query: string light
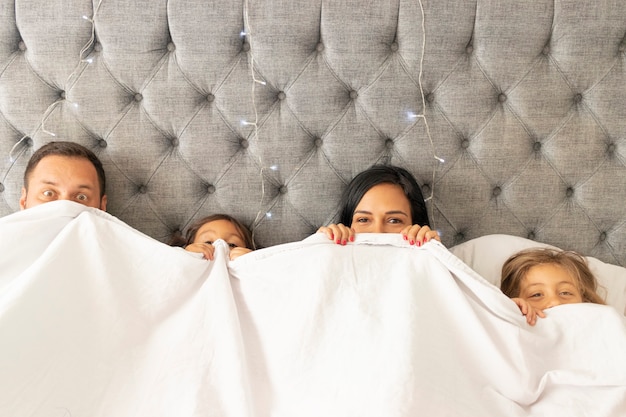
x,y
423,115
247,33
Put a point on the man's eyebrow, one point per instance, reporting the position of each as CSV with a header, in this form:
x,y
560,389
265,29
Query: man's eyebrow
x,y
80,186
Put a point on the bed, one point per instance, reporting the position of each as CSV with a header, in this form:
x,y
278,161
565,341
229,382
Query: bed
x,y
509,114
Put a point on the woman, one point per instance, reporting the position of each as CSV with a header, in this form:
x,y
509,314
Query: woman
x,y
382,199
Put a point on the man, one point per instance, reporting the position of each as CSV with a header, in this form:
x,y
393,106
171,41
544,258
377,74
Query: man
x,y
64,171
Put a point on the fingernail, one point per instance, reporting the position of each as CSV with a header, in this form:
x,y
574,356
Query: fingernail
x,y
343,242
411,242
338,241
332,235
351,238
405,237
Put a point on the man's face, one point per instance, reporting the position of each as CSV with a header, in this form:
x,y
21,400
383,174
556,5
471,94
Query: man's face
x,y
63,178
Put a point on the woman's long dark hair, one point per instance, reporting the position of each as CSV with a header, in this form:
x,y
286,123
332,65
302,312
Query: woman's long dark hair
x,y
383,174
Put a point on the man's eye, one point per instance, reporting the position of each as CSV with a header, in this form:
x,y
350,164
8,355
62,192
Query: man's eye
x,y
48,193
81,197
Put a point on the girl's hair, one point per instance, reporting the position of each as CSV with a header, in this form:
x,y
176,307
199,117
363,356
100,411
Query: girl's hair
x,y
517,266
383,174
190,234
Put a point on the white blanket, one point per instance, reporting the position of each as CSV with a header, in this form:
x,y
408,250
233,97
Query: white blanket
x,y
97,319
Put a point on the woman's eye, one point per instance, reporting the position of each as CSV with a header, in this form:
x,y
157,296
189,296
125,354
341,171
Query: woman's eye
x,y
395,221
361,220
209,242
535,295
232,245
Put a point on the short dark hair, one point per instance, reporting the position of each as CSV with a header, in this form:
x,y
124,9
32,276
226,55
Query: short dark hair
x,y
383,174
69,149
192,230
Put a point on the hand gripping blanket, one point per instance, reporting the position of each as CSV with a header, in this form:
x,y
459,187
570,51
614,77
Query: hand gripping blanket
x,y
97,319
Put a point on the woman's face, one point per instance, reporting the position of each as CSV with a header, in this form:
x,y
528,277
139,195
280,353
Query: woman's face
x,y
384,208
220,229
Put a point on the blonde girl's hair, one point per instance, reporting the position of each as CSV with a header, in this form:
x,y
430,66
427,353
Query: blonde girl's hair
x,y
517,266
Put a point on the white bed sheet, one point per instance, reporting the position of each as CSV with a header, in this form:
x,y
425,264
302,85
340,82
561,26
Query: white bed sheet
x,y
97,319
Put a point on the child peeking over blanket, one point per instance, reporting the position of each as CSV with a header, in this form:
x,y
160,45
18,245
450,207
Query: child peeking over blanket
x,y
201,235
537,279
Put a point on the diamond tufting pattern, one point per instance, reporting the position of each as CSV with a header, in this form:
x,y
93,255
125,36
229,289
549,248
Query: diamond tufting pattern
x,y
266,109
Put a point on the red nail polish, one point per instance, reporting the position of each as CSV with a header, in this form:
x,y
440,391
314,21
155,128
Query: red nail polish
x,y
351,238
343,242
411,242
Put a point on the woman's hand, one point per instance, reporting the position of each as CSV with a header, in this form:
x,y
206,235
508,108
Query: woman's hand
x,y
338,232
529,311
418,235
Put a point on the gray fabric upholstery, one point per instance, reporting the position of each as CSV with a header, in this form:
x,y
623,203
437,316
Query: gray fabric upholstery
x,y
524,102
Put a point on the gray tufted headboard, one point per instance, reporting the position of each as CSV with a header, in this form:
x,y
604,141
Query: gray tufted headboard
x,y
512,114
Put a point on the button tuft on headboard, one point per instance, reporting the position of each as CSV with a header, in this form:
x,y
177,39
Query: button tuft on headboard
x,y
1,187
210,189
21,45
569,192
102,143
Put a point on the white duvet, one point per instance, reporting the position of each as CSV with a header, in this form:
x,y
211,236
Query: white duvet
x,y
97,319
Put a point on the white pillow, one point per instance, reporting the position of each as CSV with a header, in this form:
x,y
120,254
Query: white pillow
x,y
487,254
